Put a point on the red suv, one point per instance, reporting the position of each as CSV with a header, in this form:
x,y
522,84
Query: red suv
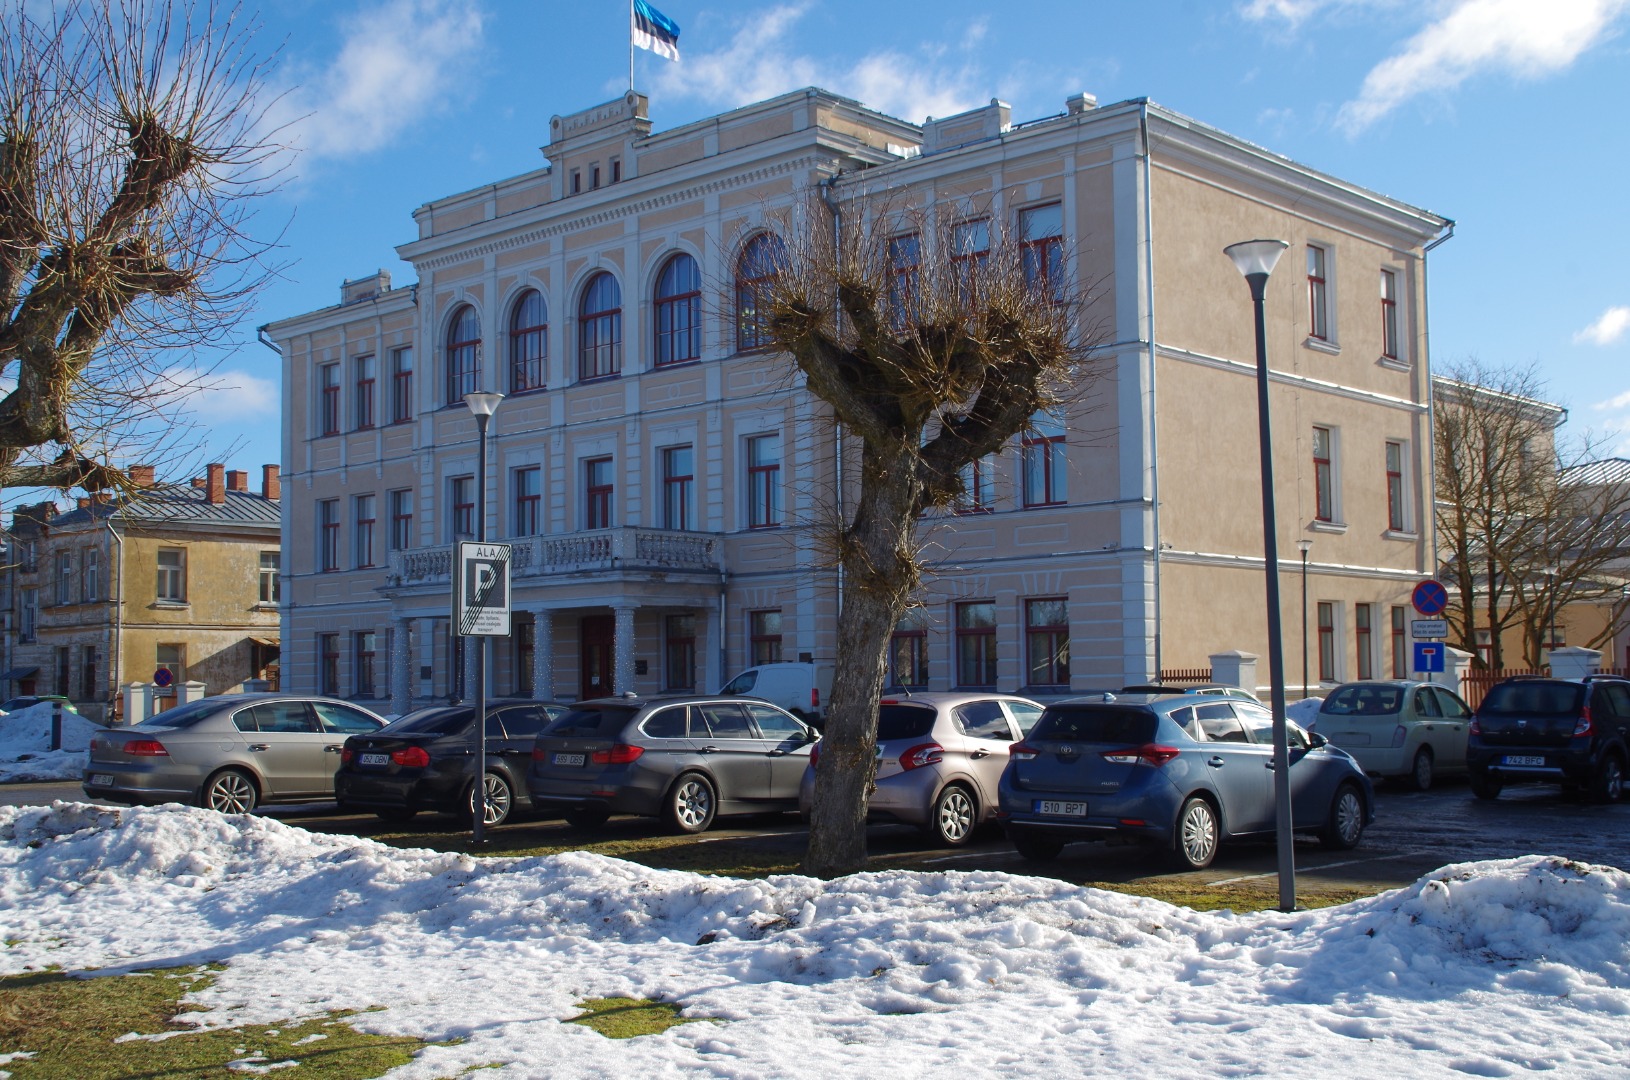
x,y
1575,732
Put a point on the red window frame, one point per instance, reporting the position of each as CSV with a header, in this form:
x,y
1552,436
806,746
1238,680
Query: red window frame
x,y
1395,486
463,355
970,250
1363,642
764,636
1400,644
763,482
328,648
679,652
1044,456
676,486
1323,492
905,267
328,517
364,651
600,329
526,647
461,497
329,378
678,337
598,487
401,510
977,487
401,385
1047,643
1318,294
1042,257
976,644
761,258
528,489
365,383
1327,641
363,531
528,343
1389,315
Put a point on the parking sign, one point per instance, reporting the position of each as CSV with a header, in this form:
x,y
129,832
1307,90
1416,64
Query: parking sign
x,y
481,589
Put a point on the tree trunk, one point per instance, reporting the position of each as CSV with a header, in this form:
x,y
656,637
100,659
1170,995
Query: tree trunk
x,y
877,555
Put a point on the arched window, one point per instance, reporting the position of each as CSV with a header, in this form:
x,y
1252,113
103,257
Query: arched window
x,y
679,312
528,342
600,328
463,355
760,259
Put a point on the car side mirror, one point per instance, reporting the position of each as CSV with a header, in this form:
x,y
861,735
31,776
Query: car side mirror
x,y
1315,740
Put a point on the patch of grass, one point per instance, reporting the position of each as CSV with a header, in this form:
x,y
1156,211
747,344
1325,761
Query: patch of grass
x,y
1239,898
72,1024
628,1018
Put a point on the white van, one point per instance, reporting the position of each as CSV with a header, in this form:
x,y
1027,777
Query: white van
x,y
801,689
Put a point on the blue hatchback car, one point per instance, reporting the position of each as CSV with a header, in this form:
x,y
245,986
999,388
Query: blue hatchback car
x,y
1179,773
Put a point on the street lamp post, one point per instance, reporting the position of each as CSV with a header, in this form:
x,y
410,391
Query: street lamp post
x,y
1304,545
482,406
1255,260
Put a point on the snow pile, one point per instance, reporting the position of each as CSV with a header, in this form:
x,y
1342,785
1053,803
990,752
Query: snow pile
x,y
1488,968
25,735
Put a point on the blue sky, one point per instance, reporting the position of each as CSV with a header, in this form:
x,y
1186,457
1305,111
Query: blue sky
x,y
1505,115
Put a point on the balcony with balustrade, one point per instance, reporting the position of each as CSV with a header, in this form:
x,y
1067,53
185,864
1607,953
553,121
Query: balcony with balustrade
x,y
628,553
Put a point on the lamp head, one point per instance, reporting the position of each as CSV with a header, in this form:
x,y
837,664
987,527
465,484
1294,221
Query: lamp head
x,y
483,404
1256,256
1304,545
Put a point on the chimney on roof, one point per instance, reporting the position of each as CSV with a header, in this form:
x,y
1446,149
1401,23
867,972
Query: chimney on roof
x,y
215,485
271,486
198,483
237,480
84,502
141,475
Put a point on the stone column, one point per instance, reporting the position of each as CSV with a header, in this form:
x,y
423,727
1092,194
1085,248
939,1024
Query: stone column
x,y
1569,662
188,692
543,654
138,702
1235,668
622,678
401,665
710,675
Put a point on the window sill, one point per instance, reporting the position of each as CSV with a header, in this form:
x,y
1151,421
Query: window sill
x,y
1393,363
689,361
266,605
584,380
1395,534
1322,345
528,390
1337,527
170,605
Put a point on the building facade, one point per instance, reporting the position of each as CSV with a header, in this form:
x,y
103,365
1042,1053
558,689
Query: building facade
x,y
667,482
183,578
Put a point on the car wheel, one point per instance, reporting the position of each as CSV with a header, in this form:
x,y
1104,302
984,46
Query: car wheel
x,y
952,820
1037,848
691,804
396,813
498,802
587,817
1420,773
1346,823
1195,844
1608,785
1486,785
231,791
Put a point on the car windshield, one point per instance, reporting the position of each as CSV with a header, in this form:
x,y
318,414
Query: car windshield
x,y
1533,699
441,720
897,721
1363,701
1095,724
598,721
183,716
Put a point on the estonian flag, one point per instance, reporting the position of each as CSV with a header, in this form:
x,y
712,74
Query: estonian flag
x,y
653,30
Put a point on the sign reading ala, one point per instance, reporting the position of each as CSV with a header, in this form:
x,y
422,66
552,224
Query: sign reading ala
x,y
481,589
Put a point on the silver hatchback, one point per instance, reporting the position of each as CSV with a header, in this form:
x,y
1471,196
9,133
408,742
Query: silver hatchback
x,y
939,757
229,753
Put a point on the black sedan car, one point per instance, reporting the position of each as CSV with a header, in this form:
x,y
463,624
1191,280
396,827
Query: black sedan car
x,y
426,761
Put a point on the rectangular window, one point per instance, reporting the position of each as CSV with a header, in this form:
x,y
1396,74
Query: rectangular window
x,y
1044,460
970,248
527,485
461,500
28,615
1318,294
1397,520
364,650
1324,508
64,577
598,487
679,652
976,644
328,535
172,658
1041,246
763,481
90,583
764,636
678,478
401,509
526,650
362,531
64,667
1047,641
328,421
88,689
978,492
908,651
1400,643
328,664
365,383
904,266
172,575
1327,641
1389,315
401,385
270,589
616,169
1363,640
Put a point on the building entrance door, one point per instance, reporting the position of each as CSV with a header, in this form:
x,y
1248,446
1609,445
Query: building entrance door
x,y
598,633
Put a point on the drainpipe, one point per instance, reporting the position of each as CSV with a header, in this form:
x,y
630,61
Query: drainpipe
x,y
117,629
1154,427
1431,405
829,196
724,651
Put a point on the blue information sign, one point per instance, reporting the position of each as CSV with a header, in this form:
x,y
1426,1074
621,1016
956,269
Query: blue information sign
x,y
1429,656
1430,598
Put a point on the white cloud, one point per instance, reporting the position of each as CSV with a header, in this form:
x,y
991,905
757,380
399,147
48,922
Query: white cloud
x,y
397,62
1518,38
220,396
1622,401
1605,330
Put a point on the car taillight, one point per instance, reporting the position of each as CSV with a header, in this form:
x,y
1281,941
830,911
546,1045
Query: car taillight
x,y
1022,751
620,754
1475,728
815,699
539,754
928,753
146,748
814,755
414,757
1399,734
1582,725
1149,754
346,755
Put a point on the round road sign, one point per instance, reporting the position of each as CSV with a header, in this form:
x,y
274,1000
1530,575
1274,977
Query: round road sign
x,y
163,677
1430,598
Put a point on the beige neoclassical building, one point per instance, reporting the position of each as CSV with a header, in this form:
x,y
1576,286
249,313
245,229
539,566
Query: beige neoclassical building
x,y
665,481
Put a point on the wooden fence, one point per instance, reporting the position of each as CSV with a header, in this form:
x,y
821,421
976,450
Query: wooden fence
x,y
1477,682
1186,675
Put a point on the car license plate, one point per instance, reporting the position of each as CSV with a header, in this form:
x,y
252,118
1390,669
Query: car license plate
x,y
375,759
1061,809
102,778
1519,759
569,759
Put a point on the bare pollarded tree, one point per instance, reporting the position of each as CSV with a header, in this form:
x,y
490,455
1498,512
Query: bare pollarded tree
x,y
132,155
935,337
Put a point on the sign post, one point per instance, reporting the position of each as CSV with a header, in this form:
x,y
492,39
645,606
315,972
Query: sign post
x,y
1431,599
480,610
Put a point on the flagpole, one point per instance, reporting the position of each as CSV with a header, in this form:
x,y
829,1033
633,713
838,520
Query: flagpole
x,y
631,45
